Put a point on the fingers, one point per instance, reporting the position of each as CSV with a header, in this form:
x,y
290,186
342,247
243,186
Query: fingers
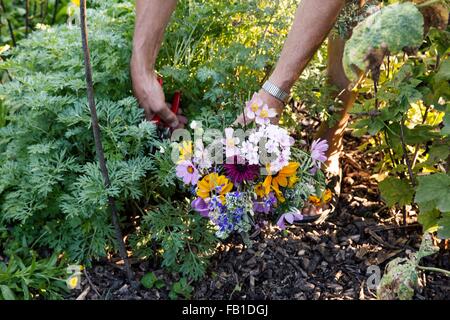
x,y
182,122
167,116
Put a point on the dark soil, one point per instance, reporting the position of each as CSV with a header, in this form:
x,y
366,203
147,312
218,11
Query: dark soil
x,y
326,261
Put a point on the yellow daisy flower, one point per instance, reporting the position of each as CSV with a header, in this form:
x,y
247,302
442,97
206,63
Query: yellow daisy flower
x,y
280,178
279,196
213,184
185,151
292,181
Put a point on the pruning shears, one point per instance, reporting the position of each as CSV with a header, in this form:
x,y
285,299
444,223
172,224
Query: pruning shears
x,y
164,129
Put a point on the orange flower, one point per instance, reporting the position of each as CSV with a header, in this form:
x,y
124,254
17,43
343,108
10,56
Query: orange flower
x,y
314,200
326,196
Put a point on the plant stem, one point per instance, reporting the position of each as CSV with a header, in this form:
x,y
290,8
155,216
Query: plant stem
x,y
10,27
55,11
416,151
27,17
98,141
446,272
405,154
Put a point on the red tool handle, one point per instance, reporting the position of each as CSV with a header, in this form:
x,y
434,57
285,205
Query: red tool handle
x,y
175,103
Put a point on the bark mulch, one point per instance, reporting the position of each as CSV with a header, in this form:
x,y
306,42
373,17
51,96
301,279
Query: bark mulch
x,y
327,261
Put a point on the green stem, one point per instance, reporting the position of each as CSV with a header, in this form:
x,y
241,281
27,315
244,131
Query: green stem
x,y
446,272
405,153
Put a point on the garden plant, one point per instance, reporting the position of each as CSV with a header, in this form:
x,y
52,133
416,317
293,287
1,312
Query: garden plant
x,y
86,180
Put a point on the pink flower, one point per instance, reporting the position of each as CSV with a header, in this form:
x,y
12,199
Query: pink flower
x,y
188,172
230,143
264,115
253,106
201,157
250,152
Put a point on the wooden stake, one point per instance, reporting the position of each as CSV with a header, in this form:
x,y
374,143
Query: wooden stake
x,y
98,141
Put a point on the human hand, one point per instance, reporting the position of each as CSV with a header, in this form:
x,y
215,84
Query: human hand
x,y
150,95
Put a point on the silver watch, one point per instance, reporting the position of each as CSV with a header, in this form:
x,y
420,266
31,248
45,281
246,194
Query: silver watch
x,y
275,92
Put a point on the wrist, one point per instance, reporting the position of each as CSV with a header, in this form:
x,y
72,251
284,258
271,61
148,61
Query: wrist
x,y
284,80
140,64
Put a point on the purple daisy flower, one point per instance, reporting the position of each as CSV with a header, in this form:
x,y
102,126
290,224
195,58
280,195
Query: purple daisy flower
x,y
239,172
318,149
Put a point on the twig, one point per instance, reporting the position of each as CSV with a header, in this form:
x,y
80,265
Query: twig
x,y
98,141
380,240
83,295
415,225
91,283
371,113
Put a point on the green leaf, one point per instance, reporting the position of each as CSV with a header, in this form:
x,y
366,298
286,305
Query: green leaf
x,y
375,126
420,134
444,72
434,187
396,191
149,280
429,220
439,152
7,293
444,226
181,288
446,129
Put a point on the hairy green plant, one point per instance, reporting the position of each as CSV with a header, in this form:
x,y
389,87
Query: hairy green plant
x,y
50,187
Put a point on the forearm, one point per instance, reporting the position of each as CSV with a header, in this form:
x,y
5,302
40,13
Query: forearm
x,y
152,17
313,21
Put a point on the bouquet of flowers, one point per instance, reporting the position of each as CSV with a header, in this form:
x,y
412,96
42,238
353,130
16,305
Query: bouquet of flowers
x,y
246,178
